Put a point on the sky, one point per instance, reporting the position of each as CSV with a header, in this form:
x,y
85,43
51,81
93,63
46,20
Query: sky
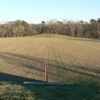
x,y
34,11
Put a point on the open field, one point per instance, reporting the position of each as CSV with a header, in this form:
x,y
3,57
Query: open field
x,y
69,59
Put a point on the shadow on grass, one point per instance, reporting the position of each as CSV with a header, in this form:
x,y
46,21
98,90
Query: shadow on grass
x,y
77,91
4,77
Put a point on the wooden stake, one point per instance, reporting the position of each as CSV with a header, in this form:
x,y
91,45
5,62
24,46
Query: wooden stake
x,y
46,73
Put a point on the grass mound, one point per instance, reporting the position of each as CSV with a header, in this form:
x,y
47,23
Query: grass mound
x,y
72,60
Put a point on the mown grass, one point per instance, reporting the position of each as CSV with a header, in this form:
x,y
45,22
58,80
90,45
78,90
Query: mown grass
x,y
74,61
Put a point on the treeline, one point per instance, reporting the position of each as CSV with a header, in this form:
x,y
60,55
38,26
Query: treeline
x,y
16,29
89,29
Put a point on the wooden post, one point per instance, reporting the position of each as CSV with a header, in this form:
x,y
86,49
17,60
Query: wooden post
x,y
46,73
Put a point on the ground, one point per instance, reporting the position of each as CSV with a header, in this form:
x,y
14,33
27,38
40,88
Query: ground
x,y
74,61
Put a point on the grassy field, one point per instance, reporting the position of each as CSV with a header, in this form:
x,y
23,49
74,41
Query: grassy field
x,y
72,60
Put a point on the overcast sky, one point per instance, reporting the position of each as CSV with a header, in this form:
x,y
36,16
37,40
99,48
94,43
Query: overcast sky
x,y
35,11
